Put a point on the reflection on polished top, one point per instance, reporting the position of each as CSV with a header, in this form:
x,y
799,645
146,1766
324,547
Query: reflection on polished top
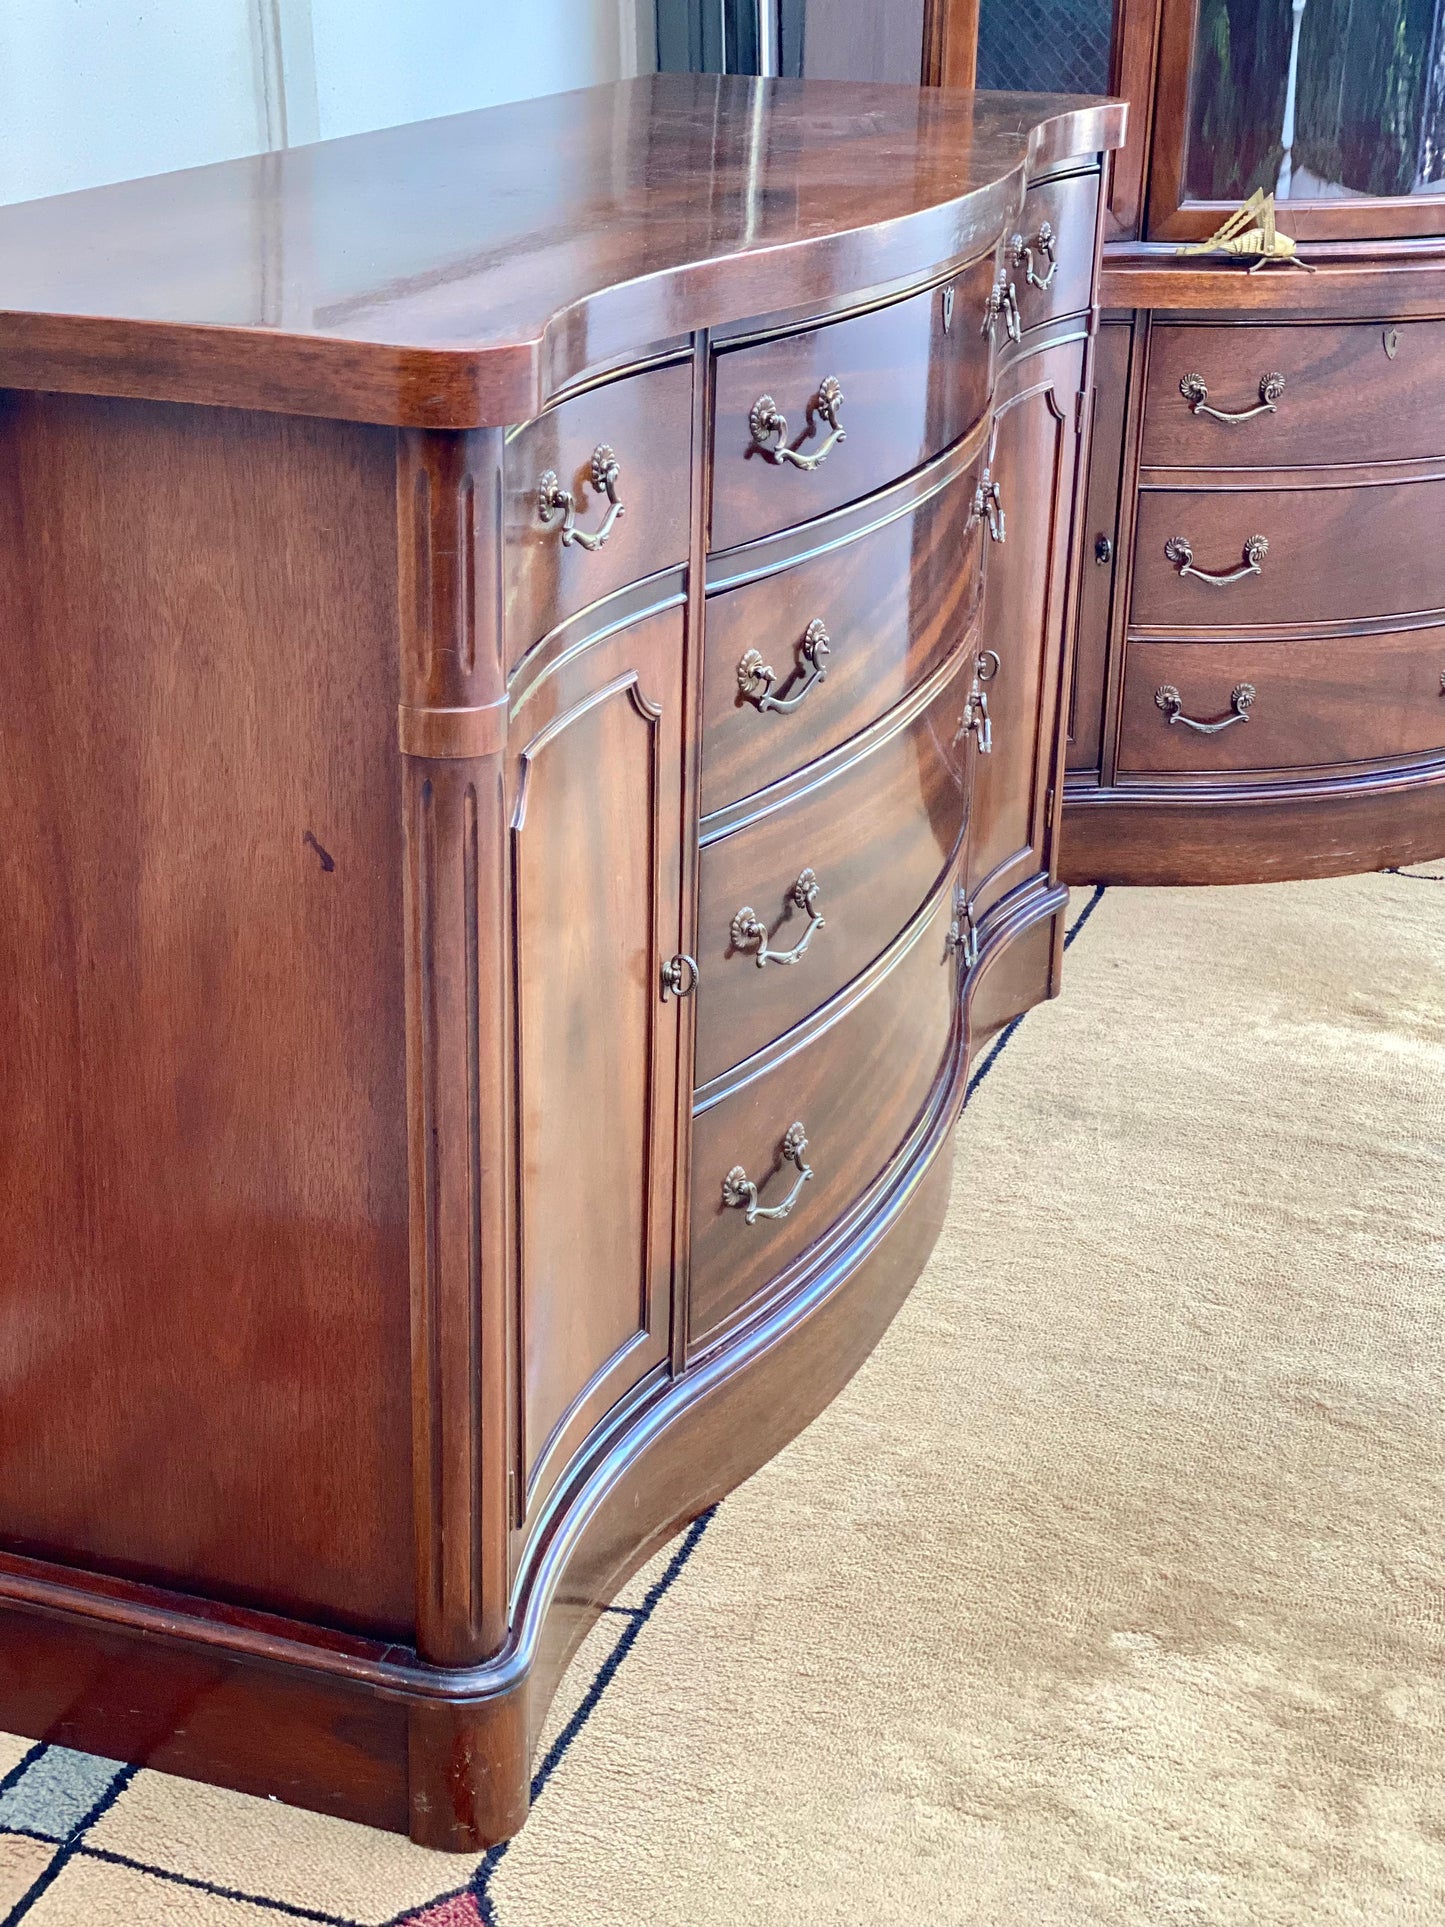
x,y
455,273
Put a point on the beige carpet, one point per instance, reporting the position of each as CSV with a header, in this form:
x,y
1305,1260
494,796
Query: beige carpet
x,y
1110,1594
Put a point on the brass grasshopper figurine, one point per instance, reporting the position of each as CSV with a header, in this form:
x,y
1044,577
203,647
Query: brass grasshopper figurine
x,y
1251,230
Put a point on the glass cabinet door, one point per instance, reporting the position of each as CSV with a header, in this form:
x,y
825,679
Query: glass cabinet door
x,y
1336,107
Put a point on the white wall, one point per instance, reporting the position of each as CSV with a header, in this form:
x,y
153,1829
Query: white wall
x,y
103,90
379,62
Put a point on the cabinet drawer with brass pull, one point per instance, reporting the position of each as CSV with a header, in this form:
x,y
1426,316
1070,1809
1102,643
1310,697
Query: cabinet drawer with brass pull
x,y
1298,395
794,902
799,661
1045,263
1229,558
1192,708
779,1158
595,497
805,422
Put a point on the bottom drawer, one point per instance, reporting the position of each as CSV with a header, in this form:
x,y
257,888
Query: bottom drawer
x,y
855,1086
1281,705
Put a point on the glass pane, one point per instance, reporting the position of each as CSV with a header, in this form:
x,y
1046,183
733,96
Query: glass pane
x,y
1045,46
1317,99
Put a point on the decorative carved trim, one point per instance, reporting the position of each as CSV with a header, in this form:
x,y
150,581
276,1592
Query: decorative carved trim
x,y
448,733
451,722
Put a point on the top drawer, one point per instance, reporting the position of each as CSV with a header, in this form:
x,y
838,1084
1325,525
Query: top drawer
x,y
1295,395
901,382
560,560
1049,258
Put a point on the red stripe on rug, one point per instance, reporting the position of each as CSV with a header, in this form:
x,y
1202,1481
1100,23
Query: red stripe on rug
x,y
461,1910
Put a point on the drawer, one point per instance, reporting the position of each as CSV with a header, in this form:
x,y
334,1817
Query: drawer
x,y
1050,256
855,1087
860,849
646,421
1302,394
1304,705
892,604
1333,555
912,377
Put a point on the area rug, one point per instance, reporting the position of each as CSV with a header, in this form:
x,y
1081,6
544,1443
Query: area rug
x,y
1110,1594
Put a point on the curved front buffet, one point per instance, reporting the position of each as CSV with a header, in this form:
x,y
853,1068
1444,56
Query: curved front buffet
x,y
532,758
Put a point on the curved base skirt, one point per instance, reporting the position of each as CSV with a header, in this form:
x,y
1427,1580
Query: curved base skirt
x,y
1258,835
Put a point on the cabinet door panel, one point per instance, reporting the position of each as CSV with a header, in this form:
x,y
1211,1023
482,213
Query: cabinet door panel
x,y
1033,458
1100,546
596,905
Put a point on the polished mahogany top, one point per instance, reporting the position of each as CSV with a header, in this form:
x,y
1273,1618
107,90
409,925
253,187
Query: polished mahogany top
x,y
456,273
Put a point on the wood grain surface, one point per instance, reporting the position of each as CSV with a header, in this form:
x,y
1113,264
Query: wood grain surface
x,y
894,601
856,1087
458,273
1336,555
1367,391
1070,209
1025,612
1344,699
912,377
911,789
645,419
203,1148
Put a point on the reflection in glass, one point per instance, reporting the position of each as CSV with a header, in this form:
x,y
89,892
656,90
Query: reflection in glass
x,y
1368,109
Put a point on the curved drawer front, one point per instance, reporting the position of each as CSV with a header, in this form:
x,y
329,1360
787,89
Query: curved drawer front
x,y
1330,555
891,604
855,1087
858,850
1300,395
1049,256
901,382
1281,705
553,565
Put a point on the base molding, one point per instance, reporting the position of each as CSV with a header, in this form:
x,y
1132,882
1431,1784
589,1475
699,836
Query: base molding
x,y
1260,834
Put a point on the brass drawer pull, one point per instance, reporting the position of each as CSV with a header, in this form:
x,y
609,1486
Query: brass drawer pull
x,y
975,709
679,976
988,505
962,938
554,500
1192,388
1002,300
756,679
739,1189
1240,703
770,426
749,932
1255,550
1023,255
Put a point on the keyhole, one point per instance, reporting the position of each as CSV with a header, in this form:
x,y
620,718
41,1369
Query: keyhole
x,y
1392,342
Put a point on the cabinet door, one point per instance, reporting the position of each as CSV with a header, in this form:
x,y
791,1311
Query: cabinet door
x,y
1099,555
596,906
1032,459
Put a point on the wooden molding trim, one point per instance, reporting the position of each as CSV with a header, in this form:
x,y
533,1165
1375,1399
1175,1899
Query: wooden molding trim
x,y
950,43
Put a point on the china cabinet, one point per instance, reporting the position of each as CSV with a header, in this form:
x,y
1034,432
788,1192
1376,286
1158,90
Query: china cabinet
x,y
1260,679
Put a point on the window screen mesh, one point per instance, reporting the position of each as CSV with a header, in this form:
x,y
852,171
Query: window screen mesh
x,y
1045,46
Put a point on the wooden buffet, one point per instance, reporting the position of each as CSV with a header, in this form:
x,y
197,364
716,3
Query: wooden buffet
x,y
530,747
